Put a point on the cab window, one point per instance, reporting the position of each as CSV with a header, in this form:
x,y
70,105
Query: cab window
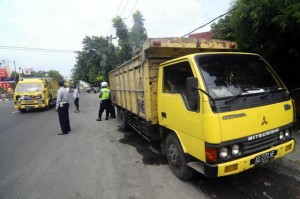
x,y
174,82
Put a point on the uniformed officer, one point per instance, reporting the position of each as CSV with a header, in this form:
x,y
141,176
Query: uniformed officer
x,y
105,101
62,107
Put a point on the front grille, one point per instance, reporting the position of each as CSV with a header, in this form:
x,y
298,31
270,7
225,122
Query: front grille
x,y
254,146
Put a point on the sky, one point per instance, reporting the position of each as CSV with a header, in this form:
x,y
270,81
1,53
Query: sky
x,y
63,24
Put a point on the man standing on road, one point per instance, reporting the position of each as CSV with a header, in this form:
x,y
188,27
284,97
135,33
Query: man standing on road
x,y
105,101
76,99
62,107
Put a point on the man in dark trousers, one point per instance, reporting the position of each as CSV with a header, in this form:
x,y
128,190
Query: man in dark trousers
x,y
76,99
105,101
62,107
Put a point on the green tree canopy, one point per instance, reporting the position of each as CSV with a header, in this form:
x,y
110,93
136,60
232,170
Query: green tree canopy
x,y
95,61
124,51
99,55
138,33
267,27
55,75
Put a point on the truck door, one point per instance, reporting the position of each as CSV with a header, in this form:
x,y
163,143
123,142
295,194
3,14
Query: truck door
x,y
175,111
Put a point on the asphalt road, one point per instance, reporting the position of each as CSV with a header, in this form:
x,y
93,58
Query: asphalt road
x,y
97,160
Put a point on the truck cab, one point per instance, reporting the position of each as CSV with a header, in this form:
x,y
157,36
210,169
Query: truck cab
x,y
35,93
232,113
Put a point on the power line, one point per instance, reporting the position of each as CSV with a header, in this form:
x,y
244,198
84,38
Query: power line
x,y
119,7
110,30
210,22
131,10
37,49
124,8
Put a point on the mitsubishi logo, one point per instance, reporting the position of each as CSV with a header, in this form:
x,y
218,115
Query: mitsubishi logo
x,y
264,121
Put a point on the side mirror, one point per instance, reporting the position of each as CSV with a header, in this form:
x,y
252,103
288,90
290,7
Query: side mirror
x,y
191,88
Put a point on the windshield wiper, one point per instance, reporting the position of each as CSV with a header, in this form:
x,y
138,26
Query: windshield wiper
x,y
245,90
234,97
270,90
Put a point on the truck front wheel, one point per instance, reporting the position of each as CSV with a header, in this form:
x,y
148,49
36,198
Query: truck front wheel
x,y
176,158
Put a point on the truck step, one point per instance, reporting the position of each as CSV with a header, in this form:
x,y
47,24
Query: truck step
x,y
198,166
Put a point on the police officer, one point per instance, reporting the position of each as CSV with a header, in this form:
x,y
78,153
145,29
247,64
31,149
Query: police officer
x,y
105,101
62,107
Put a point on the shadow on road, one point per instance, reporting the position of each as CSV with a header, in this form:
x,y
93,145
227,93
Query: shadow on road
x,y
149,150
271,181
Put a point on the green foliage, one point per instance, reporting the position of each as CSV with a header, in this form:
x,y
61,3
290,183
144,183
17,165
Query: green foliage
x,y
125,47
99,55
270,28
55,75
138,33
96,60
224,29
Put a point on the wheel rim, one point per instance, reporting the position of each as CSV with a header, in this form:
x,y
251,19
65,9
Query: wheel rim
x,y
174,156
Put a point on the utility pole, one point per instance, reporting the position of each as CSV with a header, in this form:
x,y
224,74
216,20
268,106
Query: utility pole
x,y
15,70
110,38
14,86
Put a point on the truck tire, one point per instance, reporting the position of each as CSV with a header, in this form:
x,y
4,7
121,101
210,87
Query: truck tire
x,y
176,158
122,120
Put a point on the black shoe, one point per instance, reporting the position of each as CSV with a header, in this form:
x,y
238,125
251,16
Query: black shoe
x,y
112,116
62,133
99,119
106,118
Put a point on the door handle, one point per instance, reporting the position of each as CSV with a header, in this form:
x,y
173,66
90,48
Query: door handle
x,y
164,115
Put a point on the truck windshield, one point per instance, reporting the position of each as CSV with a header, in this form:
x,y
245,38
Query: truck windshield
x,y
232,75
33,87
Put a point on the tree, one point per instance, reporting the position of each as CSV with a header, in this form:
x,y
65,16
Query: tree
x,y
267,27
95,61
124,51
99,55
55,75
138,33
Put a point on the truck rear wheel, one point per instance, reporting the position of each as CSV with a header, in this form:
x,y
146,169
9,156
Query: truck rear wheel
x,y
122,120
176,158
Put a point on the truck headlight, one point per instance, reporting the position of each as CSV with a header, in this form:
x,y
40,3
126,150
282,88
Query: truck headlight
x,y
18,103
235,150
287,133
281,135
223,152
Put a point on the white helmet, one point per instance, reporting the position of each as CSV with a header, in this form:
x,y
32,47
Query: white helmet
x,y
104,84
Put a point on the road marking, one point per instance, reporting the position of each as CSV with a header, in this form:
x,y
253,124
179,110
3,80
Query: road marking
x,y
14,111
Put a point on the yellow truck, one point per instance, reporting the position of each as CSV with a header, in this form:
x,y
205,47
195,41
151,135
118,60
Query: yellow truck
x,y
35,93
215,111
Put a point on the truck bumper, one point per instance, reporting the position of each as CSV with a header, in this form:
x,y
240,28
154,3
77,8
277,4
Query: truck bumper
x,y
242,164
32,106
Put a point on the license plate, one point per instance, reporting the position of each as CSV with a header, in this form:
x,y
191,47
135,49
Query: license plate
x,y
264,157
